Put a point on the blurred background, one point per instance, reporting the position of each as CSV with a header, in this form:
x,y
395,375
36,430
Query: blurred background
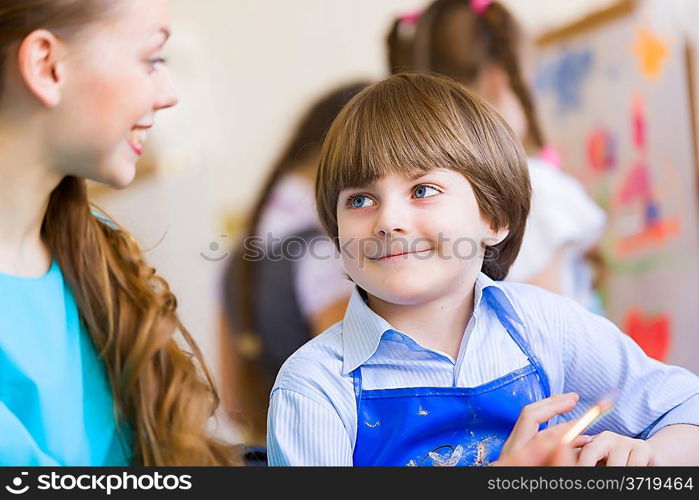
x,y
246,70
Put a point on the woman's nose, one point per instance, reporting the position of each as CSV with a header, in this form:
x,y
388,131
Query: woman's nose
x,y
167,94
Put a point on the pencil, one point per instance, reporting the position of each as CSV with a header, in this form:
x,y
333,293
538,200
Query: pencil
x,y
589,417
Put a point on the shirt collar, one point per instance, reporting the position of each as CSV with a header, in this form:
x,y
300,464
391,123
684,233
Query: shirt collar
x,y
362,328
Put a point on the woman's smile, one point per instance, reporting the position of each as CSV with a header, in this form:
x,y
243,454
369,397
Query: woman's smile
x,y
137,138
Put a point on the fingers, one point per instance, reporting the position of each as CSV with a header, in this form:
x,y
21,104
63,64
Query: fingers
x,y
640,456
559,430
539,451
615,450
543,450
595,451
581,441
553,451
618,456
563,456
535,414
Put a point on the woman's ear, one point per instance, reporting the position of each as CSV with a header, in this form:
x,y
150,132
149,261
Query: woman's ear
x,y
40,66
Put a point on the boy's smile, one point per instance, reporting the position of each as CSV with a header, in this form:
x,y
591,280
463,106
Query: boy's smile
x,y
410,238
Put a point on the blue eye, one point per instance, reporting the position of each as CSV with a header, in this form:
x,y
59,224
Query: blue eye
x,y
424,191
360,201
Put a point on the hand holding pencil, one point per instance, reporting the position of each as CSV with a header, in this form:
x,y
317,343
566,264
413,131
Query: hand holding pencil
x,y
556,445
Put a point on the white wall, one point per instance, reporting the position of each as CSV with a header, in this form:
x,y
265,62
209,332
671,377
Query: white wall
x,y
248,68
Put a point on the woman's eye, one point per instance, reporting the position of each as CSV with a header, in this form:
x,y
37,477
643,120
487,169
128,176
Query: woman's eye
x,y
154,63
360,201
425,191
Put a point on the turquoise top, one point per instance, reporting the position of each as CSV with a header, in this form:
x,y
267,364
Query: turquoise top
x,y
56,405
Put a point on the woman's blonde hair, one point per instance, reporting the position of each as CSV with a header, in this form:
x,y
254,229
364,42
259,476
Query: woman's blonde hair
x,y
164,393
415,122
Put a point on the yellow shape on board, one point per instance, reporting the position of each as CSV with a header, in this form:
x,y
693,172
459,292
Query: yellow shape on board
x,y
651,52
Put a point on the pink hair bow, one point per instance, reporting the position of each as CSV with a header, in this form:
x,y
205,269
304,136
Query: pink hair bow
x,y
550,155
479,6
410,17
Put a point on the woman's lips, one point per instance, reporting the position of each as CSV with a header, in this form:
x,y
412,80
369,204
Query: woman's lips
x,y
137,138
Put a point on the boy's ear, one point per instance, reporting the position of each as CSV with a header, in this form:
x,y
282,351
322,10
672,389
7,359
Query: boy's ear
x,y
497,236
40,66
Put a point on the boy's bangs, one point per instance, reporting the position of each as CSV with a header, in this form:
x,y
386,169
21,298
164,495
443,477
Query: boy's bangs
x,y
399,134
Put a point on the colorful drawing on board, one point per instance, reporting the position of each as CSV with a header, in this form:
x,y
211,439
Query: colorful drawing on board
x,y
564,77
636,185
651,53
654,235
638,121
656,230
636,188
652,333
601,150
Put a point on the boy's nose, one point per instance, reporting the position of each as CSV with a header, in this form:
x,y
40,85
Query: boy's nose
x,y
390,221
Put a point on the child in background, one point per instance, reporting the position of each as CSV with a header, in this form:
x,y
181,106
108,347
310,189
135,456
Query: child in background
x,y
480,44
91,370
425,190
274,306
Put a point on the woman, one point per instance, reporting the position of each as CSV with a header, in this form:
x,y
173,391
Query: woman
x,y
90,371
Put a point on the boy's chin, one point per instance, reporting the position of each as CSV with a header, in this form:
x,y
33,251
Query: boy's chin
x,y
404,295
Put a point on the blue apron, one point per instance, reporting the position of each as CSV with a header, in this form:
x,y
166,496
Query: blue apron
x,y
445,426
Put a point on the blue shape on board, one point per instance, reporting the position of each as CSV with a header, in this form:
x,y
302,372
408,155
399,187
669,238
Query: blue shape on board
x,y
564,77
652,213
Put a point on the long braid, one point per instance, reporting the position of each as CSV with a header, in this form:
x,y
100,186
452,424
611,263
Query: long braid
x,y
453,40
505,50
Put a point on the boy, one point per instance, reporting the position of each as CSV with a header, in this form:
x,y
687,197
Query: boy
x,y
425,190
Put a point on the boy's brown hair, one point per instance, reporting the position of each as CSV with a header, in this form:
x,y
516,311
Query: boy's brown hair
x,y
415,122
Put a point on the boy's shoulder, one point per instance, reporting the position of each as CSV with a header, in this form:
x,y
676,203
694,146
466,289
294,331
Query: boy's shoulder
x,y
526,298
539,309
316,363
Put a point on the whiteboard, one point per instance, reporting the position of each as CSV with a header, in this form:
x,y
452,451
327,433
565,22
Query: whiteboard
x,y
614,99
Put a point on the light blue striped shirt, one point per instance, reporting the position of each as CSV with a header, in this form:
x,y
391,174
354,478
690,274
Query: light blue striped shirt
x,y
313,415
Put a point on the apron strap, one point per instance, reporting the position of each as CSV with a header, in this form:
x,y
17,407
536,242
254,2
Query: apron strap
x,y
357,382
519,340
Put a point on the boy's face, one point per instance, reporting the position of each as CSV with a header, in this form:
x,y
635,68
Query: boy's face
x,y
411,240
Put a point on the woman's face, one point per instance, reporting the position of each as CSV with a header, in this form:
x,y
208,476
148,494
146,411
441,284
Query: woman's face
x,y
115,82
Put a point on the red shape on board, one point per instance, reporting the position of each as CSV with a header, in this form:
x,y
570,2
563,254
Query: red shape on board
x,y
638,122
636,185
651,333
653,236
601,152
